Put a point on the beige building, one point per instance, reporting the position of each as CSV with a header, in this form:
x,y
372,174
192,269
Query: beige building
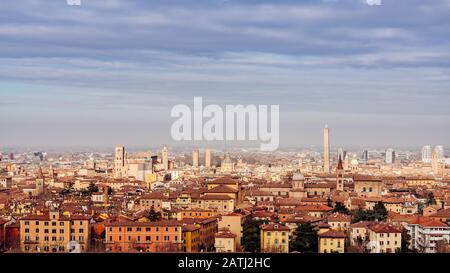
x,y
274,238
225,241
53,232
232,222
384,238
367,186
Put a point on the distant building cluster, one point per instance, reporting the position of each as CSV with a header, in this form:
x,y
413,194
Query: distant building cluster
x,y
204,200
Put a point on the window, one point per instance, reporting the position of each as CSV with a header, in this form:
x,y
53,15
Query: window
x,y
148,229
148,238
61,224
37,230
27,223
61,231
27,230
129,229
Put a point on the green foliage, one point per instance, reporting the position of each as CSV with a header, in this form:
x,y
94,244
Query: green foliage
x,y
379,213
340,208
251,239
406,242
154,216
92,187
430,199
305,240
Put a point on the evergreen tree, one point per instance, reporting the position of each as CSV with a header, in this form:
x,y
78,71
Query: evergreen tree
x,y
430,199
305,240
251,235
92,188
406,242
329,202
380,211
340,208
154,216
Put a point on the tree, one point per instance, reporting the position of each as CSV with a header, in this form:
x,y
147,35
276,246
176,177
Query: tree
x,y
362,215
329,202
430,199
251,235
380,211
154,216
340,208
92,187
406,242
305,240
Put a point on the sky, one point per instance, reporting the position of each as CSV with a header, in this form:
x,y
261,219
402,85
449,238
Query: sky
x,y
110,71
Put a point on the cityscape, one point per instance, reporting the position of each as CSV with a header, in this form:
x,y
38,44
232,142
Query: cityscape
x,y
208,200
224,133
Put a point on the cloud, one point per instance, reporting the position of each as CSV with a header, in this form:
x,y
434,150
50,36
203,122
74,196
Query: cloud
x,y
105,57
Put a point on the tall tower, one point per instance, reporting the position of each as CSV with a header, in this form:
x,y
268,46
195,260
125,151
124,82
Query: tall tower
x,y
436,164
165,157
195,155
326,149
208,158
40,186
119,162
340,176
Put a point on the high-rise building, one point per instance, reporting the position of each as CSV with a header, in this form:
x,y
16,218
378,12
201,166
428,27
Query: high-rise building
x,y
165,157
120,163
208,158
195,155
426,154
341,153
365,156
390,156
326,149
439,151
